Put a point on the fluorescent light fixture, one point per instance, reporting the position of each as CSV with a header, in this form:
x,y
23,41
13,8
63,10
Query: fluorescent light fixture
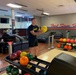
x,y
14,5
18,15
45,13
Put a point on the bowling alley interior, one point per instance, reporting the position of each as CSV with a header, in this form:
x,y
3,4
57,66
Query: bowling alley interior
x,y
38,37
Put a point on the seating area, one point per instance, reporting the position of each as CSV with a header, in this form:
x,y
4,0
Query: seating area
x,y
44,37
19,43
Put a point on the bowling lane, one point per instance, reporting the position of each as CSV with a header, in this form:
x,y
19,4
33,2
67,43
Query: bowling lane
x,y
48,56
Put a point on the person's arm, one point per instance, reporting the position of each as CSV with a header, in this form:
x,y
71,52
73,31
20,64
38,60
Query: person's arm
x,y
36,33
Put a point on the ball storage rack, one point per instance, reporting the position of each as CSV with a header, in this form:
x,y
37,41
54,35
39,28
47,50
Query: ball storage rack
x,y
32,70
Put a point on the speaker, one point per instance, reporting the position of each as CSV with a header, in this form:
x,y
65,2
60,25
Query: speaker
x,y
62,64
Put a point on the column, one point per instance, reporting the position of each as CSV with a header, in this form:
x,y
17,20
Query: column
x,y
13,19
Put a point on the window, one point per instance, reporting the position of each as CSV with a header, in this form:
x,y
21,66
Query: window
x,y
4,20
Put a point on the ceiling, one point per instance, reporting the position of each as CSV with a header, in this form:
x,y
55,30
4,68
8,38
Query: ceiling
x,y
54,7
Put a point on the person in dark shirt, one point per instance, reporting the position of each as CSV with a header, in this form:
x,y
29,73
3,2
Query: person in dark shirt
x,y
33,31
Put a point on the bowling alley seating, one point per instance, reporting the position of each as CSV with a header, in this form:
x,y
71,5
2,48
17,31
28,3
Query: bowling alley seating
x,y
19,44
44,37
58,35
5,37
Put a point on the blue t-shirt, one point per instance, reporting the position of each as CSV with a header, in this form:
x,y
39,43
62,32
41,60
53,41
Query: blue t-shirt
x,y
35,29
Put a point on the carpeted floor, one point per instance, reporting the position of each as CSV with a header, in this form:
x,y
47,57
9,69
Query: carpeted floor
x,y
3,69
4,74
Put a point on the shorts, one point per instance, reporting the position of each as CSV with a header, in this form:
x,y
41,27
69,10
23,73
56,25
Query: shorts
x,y
33,43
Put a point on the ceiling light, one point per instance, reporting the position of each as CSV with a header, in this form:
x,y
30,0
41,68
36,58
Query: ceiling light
x,y
14,5
45,13
18,15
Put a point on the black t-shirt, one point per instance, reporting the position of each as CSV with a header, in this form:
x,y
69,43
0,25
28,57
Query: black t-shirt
x,y
35,29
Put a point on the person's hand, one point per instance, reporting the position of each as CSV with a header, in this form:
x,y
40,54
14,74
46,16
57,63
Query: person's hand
x,y
40,32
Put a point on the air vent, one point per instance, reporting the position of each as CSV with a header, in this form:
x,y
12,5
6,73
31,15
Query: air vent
x,y
20,13
24,10
3,10
21,4
40,9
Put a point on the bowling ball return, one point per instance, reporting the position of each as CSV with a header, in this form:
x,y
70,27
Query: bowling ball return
x,y
62,64
31,70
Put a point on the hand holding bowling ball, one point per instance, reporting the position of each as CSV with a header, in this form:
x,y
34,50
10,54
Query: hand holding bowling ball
x,y
44,29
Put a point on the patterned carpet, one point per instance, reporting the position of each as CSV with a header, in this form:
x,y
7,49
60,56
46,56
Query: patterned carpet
x,y
3,69
4,74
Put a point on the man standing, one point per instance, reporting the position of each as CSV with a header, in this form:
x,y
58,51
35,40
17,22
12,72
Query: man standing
x,y
33,31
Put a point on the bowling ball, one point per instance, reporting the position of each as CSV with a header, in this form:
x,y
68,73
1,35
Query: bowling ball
x,y
30,56
18,53
75,40
13,56
43,28
23,54
27,74
15,71
24,60
67,40
61,39
9,68
64,39
66,47
62,45
69,47
71,41
58,45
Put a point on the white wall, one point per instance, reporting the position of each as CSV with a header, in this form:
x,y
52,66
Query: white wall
x,y
69,19
60,19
